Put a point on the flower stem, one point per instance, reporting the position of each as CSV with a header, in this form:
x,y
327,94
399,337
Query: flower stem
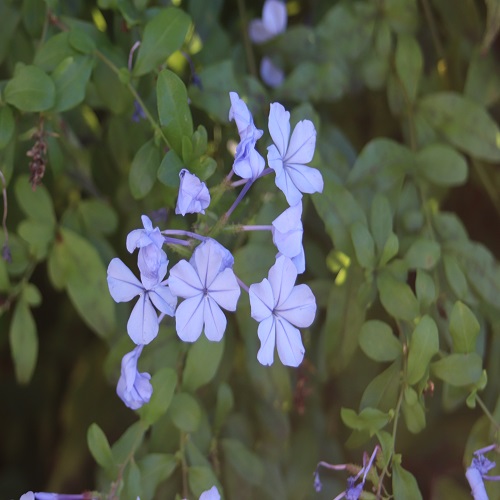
x,y
242,285
257,228
242,193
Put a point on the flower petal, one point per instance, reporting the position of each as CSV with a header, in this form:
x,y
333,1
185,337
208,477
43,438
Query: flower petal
x,y
225,290
215,321
184,280
290,190
306,179
152,263
274,16
289,342
261,300
208,260
142,325
271,74
288,231
189,318
240,113
193,196
163,299
123,285
279,127
275,160
302,143
267,337
299,308
211,494
282,278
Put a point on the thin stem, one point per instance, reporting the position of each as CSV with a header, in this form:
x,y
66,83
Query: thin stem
x,y
246,40
182,232
134,92
243,192
432,26
238,183
257,228
488,413
131,54
242,285
177,241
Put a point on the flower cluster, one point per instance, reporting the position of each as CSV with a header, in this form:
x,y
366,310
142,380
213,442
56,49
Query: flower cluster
x,y
196,292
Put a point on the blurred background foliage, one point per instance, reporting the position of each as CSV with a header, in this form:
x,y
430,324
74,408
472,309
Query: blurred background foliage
x,y
401,247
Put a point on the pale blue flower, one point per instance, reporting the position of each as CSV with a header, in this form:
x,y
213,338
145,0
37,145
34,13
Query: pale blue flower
x,y
139,238
211,494
271,74
248,163
288,156
273,22
142,325
134,388
280,306
194,196
206,284
287,236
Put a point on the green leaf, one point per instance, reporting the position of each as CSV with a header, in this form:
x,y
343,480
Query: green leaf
x,y
391,249
7,126
132,481
464,328
200,479
23,342
368,419
77,266
404,484
409,63
37,205
442,165
143,171
168,171
128,443
425,289
423,254
38,235
202,361
382,392
30,90
248,465
492,24
173,110
81,41
70,78
155,468
164,382
98,216
459,369
424,344
31,294
483,79
99,446
163,35
455,276
364,245
402,16
54,51
378,342
380,221
397,297
467,125
185,412
224,405
413,411
10,16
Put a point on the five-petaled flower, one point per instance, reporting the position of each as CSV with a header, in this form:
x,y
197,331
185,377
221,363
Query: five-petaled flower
x,y
277,304
287,236
273,22
207,284
134,388
248,163
193,194
288,156
123,286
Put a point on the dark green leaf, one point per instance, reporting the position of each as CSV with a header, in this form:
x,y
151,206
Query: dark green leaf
x,y
168,171
225,403
70,78
413,411
38,235
459,369
368,419
423,254
483,79
364,245
409,62
163,35
81,41
425,289
164,383
98,216
144,169
464,328
404,484
467,125
201,478
455,276
155,468
380,221
378,342
185,412
442,165
6,125
99,446
492,24
30,90
23,342
37,205
173,110
202,361
382,392
397,297
245,462
54,51
424,344
128,443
